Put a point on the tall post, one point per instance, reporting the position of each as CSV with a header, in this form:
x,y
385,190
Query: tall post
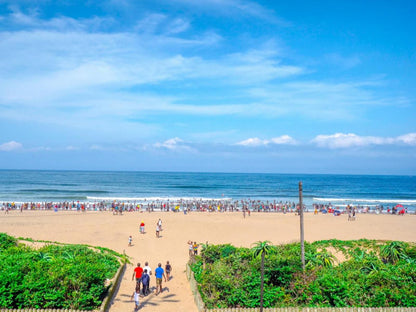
x,y
302,239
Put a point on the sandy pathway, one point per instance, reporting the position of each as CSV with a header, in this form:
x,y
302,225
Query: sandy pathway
x,y
104,229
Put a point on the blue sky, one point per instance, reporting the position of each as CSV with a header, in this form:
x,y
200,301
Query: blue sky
x,y
214,85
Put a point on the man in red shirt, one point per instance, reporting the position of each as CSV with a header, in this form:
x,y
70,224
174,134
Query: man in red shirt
x,y
138,272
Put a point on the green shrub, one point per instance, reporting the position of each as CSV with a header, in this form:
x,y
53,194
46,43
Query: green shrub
x,y
7,241
230,277
62,277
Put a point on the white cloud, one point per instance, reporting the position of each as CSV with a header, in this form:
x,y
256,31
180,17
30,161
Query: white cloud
x,y
342,140
253,67
252,142
409,139
170,143
84,78
62,23
82,74
178,25
174,144
237,8
322,100
150,23
10,146
284,139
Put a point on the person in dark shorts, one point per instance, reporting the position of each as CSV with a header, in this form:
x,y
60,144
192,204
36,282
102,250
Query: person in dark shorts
x,y
157,230
168,269
138,272
195,247
148,271
145,282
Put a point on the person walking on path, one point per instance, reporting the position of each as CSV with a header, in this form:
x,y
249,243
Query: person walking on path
x,y
136,296
157,230
159,273
145,282
168,269
148,269
138,272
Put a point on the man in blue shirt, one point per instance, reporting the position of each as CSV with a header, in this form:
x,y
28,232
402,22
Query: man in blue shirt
x,y
159,272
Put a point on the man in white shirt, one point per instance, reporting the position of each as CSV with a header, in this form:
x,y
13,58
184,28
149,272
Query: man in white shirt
x,y
146,267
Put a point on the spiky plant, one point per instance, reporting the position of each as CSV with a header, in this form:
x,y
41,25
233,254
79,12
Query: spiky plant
x,y
262,249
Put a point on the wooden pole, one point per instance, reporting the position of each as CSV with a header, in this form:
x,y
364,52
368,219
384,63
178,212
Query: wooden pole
x,y
302,239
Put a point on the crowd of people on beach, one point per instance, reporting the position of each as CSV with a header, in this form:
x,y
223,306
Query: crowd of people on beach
x,y
200,205
143,275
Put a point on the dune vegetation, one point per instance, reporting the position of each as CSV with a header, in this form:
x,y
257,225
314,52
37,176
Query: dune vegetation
x,y
361,273
54,275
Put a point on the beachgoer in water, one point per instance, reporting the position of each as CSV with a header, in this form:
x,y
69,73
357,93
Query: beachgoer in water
x,y
159,273
168,269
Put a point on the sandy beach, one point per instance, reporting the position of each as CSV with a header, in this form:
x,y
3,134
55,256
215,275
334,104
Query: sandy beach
x,y
112,231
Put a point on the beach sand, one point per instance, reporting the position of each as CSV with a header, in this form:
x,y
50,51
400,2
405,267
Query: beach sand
x,y
112,231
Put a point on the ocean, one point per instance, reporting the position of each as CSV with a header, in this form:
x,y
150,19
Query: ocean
x,y
94,186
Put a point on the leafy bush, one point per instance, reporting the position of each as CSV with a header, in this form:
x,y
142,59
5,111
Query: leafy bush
x,y
374,274
7,241
63,277
393,251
